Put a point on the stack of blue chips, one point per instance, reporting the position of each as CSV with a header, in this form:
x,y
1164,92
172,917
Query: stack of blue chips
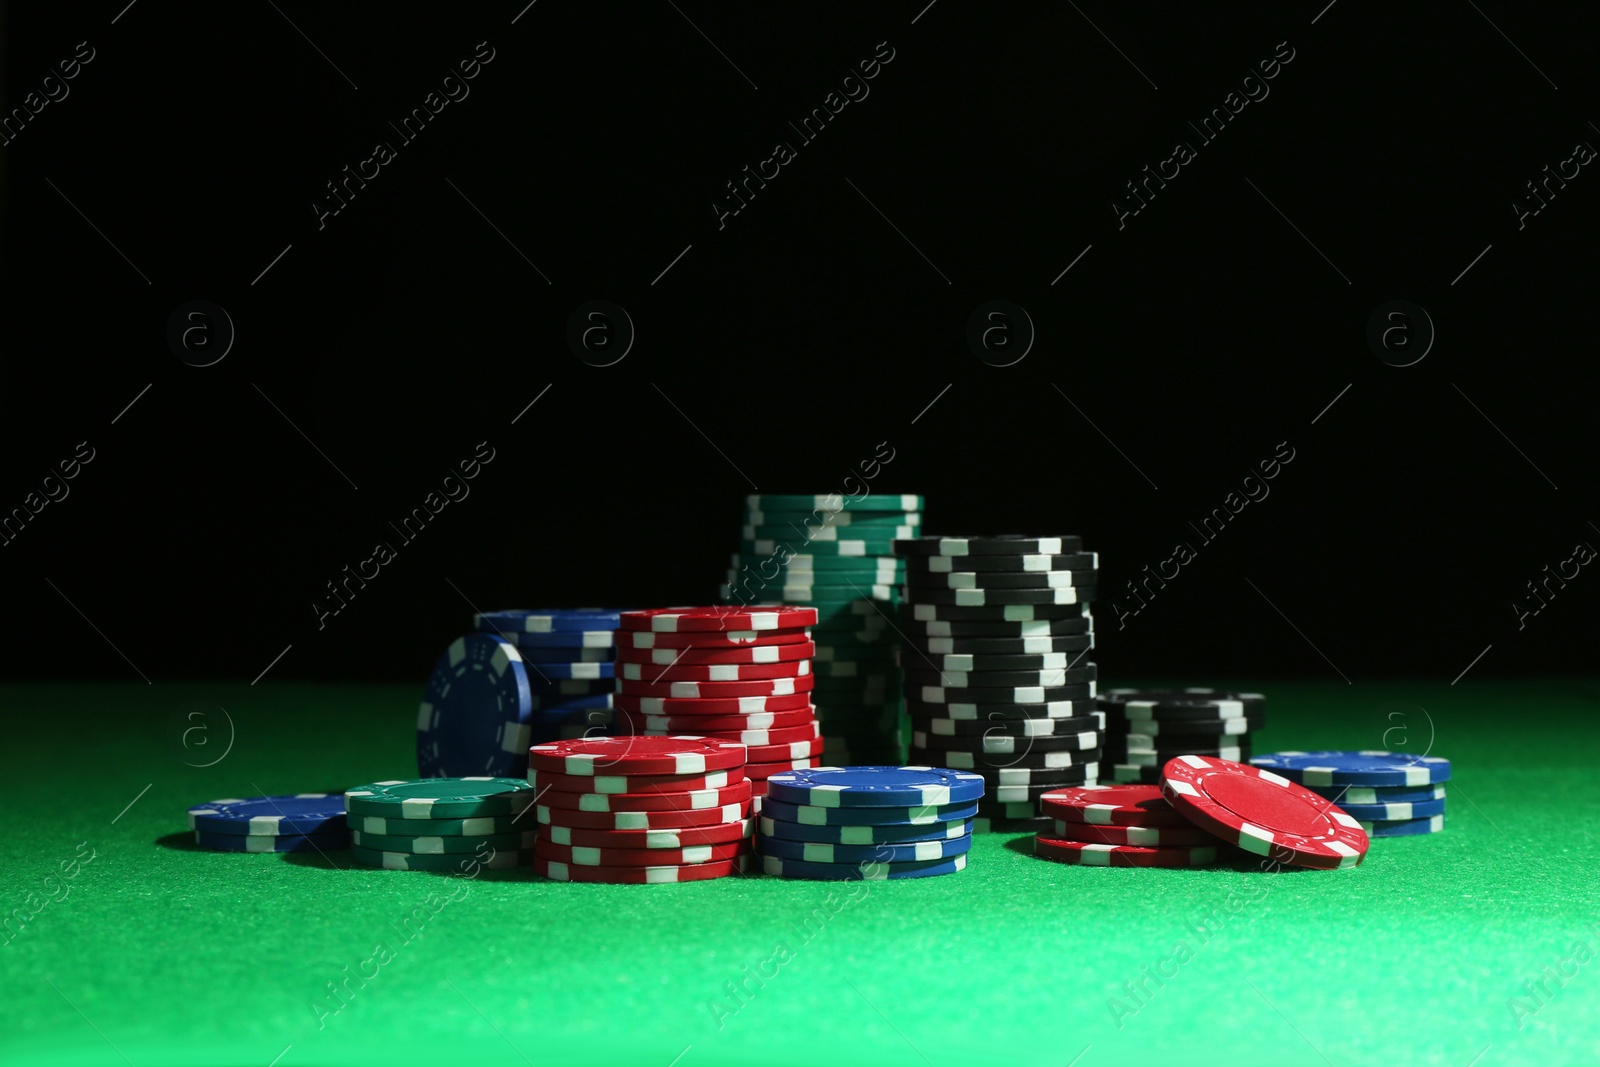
x,y
1391,794
305,822
867,823
523,678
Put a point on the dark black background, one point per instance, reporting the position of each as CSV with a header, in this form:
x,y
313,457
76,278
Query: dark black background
x,y
806,331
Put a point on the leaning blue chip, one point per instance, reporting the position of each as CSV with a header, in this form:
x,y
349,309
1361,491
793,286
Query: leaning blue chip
x,y
548,620
301,813
1404,827
1425,809
898,852
280,843
859,872
1356,768
1366,794
564,639
875,787
474,717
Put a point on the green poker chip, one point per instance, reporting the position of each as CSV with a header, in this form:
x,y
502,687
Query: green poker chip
x,y
833,502
766,564
480,827
797,546
441,845
440,798
465,863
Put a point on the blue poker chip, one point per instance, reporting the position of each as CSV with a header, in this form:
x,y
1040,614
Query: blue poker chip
x,y
569,671
1366,794
564,639
1405,827
1356,768
548,620
898,852
474,719
860,872
281,843
909,816
891,834
875,787
541,655
302,813
550,690
1424,809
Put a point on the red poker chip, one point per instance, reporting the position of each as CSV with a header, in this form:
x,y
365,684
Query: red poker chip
x,y
641,820
762,653
1096,855
717,618
1110,805
675,706
689,872
636,755
712,672
760,772
1263,812
712,641
696,725
652,840
777,753
696,800
765,687
634,783
759,788
1147,836
765,738
586,856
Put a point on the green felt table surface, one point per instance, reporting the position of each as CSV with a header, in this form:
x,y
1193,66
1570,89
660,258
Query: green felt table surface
x,y
1474,946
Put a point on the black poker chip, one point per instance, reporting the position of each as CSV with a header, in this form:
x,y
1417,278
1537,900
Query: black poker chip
x,y
1032,767
1065,644
921,580
1052,678
990,545
916,659
998,710
1183,703
1003,746
934,694
1016,728
1012,613
974,598
1064,626
1013,562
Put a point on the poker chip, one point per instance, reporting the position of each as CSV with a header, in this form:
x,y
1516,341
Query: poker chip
x,y
1000,712
688,800
1020,764
941,612
1357,794
963,662
863,835
830,532
1152,758
996,545
768,687
882,852
688,872
919,631
834,502
1012,562
686,837
539,656
987,825
864,787
1017,694
713,641
1262,812
634,783
549,620
977,598
762,772
1088,854
294,815
641,820
1147,836
1045,679
1357,768
440,846
1004,744
1112,805
464,863
1190,728
924,581
562,639
637,755
786,735
1130,773
1068,646
475,714
779,753
232,842
674,706
441,798
777,594
1011,812
707,725
712,672
1014,792
866,871
851,547
1182,703
1069,727
891,815
480,827
588,856
1398,812
580,670
716,619
744,654
1405,827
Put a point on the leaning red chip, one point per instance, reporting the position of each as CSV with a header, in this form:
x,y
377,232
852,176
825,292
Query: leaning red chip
x,y
1262,812
717,618
636,755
